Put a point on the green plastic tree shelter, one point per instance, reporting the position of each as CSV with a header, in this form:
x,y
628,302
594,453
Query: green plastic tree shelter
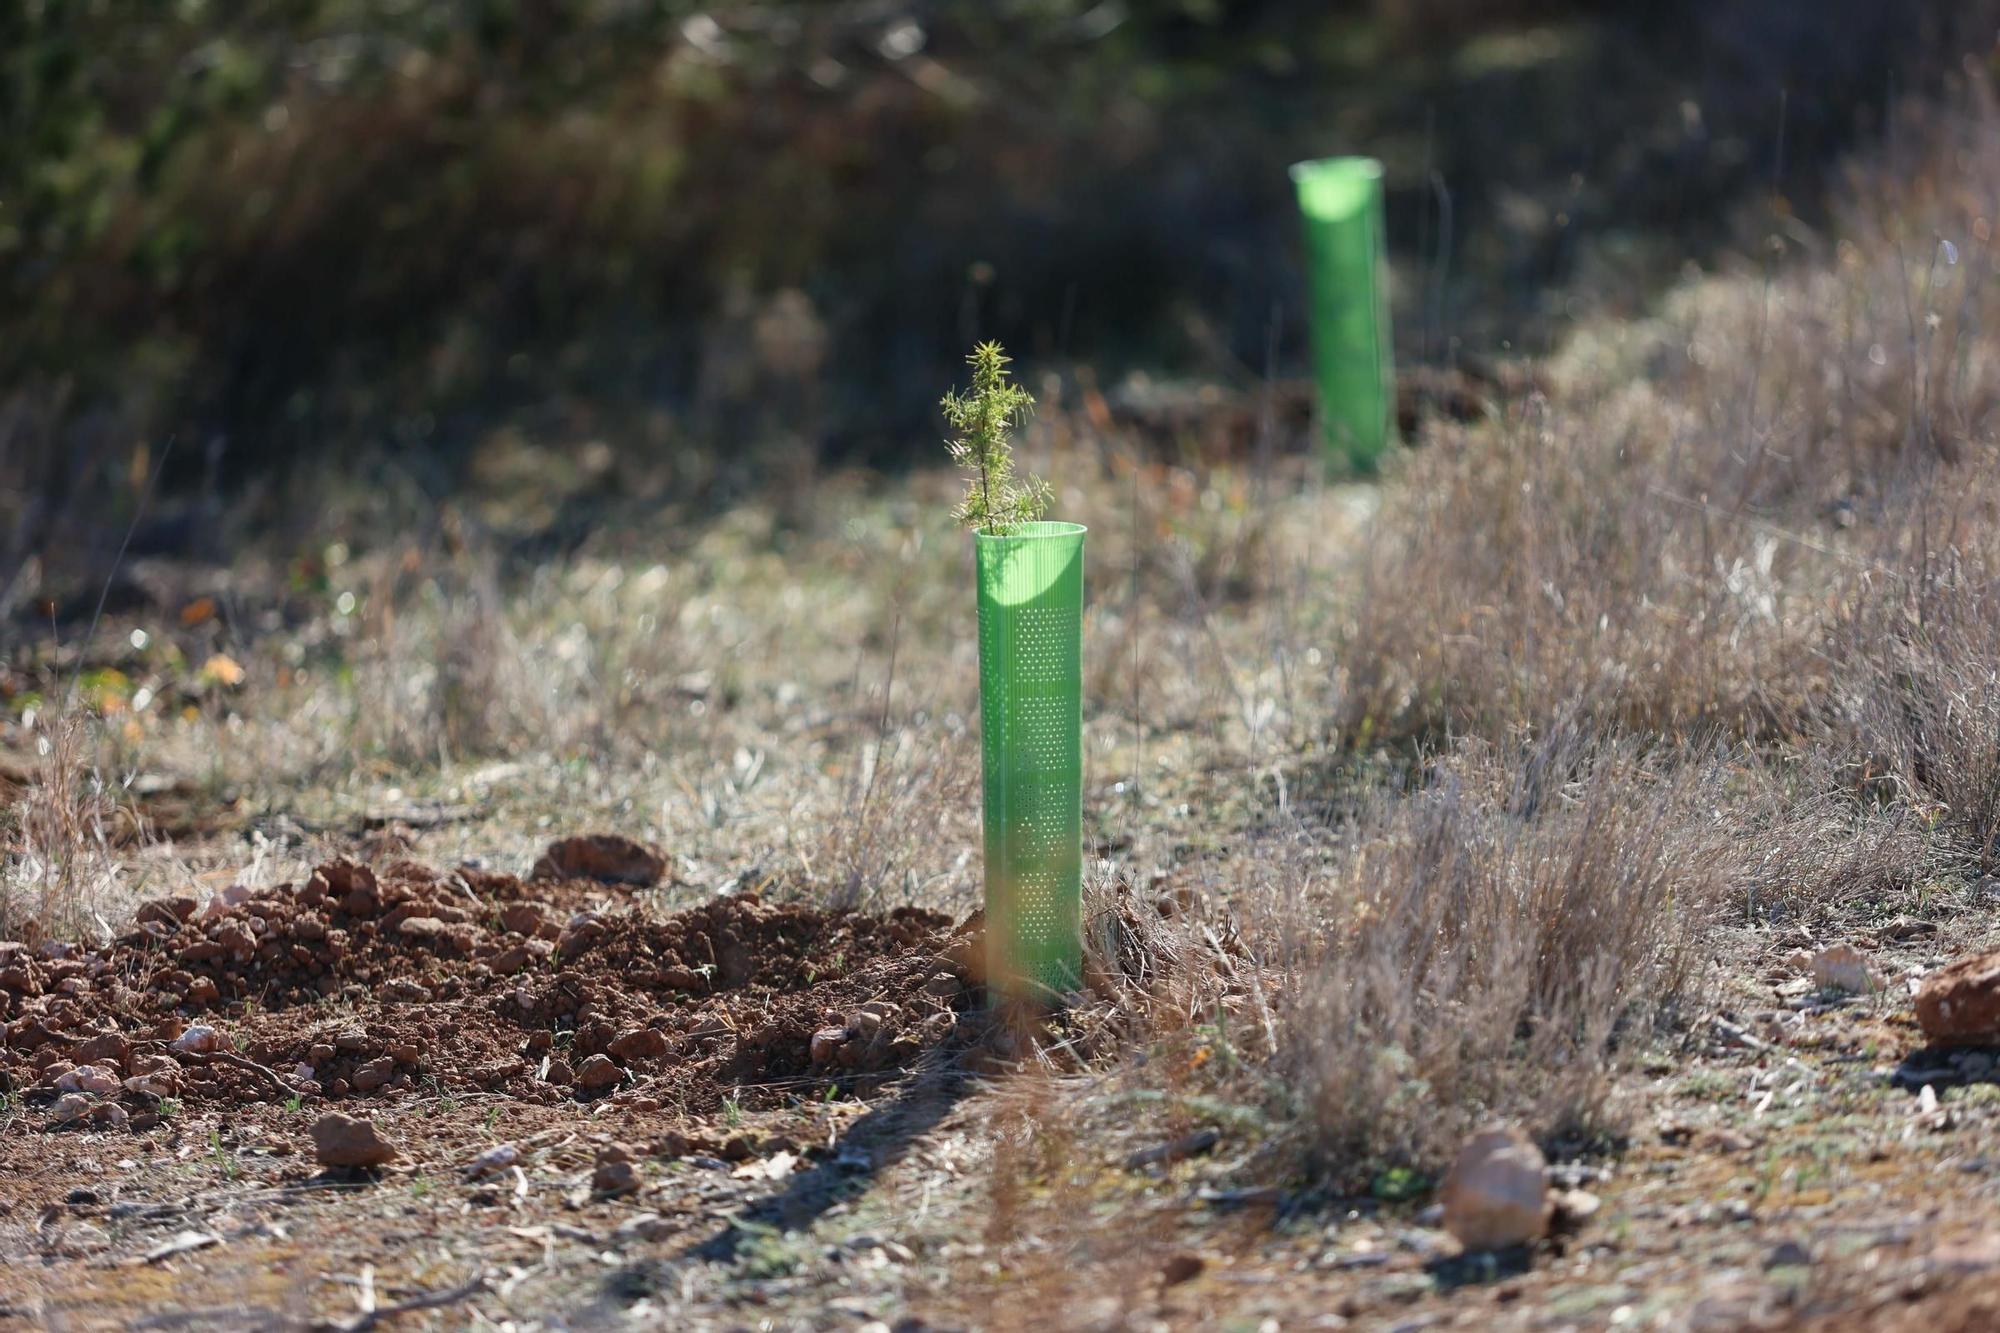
x,y
1341,201
1031,719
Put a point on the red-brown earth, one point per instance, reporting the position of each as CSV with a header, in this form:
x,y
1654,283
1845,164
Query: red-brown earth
x,y
358,986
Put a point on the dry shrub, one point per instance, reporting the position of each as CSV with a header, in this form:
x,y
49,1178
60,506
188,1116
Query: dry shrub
x,y
61,868
1920,729
1672,538
1493,942
1521,573
452,683
1159,967
464,665
1812,846
891,830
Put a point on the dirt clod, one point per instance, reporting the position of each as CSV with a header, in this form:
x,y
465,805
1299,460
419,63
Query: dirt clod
x,y
639,1044
1496,1194
615,1172
342,1141
598,1073
445,983
604,857
1959,1005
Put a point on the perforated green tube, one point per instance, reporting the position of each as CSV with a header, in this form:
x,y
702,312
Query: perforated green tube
x,y
1031,716
1340,199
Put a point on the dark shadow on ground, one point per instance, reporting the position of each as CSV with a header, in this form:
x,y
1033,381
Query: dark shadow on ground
x,y
1479,1267
1947,1067
871,1145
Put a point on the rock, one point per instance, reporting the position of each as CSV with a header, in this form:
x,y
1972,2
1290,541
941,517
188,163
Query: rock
x,y
109,1115
1959,1005
598,1073
199,1039
420,927
161,1083
230,897
69,1107
1496,1194
615,1172
605,857
406,991
1182,1267
87,1078
341,1140
168,912
105,1048
523,918
1842,968
202,991
559,1073
639,1044
374,1074
826,1044
493,1159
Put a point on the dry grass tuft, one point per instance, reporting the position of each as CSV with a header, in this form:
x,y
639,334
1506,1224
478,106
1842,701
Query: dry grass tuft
x,y
1921,721
62,867
1490,943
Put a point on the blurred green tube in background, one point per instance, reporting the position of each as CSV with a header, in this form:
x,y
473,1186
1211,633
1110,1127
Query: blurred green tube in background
x,y
1031,718
1340,199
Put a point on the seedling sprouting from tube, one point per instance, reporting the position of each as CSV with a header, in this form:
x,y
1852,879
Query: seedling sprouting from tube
x,y
1030,583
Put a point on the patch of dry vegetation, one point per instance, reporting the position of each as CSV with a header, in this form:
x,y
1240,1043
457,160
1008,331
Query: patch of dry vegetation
x,y
60,865
1486,944
1710,633
1689,532
1442,803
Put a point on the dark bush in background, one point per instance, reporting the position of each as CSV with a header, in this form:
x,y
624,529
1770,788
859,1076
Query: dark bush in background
x,y
276,230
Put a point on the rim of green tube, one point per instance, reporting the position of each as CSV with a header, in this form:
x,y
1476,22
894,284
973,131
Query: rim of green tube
x,y
1038,529
1337,187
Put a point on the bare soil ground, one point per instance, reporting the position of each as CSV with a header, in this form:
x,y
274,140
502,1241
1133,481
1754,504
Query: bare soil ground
x,y
1525,784
1782,1171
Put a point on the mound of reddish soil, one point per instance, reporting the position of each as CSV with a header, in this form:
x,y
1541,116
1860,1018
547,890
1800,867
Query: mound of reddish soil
x,y
359,985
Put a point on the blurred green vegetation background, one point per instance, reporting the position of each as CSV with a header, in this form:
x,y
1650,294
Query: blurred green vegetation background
x,y
729,237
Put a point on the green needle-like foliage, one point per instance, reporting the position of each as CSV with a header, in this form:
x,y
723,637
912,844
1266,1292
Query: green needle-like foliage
x,y
980,422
